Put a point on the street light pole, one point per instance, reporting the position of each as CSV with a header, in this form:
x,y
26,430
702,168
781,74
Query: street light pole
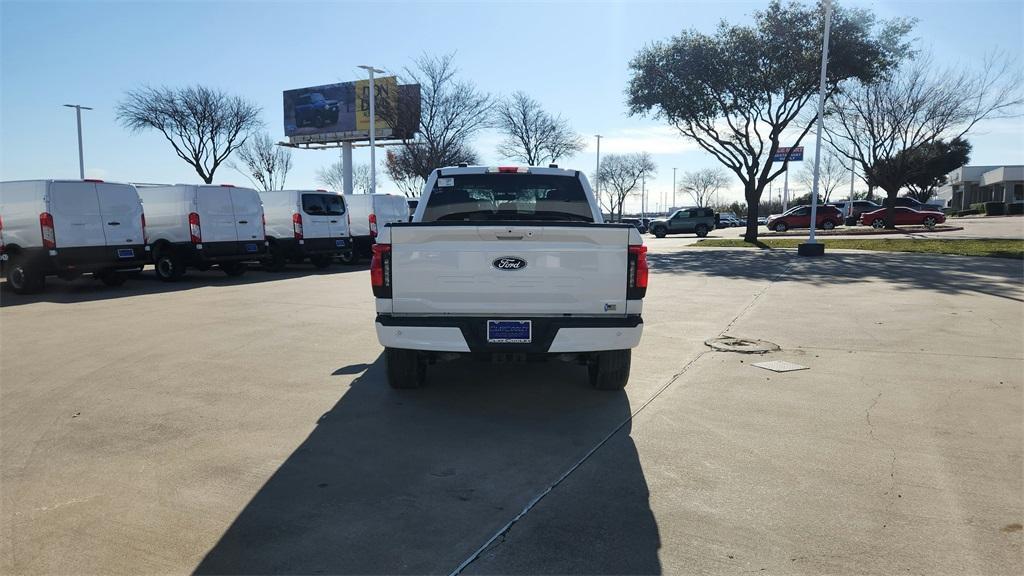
x,y
811,247
373,128
673,188
81,156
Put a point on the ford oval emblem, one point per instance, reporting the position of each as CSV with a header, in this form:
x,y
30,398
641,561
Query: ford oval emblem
x,y
509,263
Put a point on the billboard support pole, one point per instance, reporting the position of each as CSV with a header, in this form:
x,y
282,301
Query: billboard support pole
x,y
346,166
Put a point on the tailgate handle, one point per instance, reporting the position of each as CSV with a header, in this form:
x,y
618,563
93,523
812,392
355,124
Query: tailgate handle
x,y
509,236
334,221
243,221
115,223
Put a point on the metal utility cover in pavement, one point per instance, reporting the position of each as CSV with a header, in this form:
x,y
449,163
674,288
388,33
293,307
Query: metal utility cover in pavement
x,y
779,366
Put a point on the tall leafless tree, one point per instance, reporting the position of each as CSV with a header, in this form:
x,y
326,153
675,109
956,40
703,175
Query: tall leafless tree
x,y
333,177
204,125
832,174
533,135
620,176
882,126
452,112
264,163
703,185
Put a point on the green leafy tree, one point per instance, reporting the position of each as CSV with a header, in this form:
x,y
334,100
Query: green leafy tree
x,y
739,92
934,163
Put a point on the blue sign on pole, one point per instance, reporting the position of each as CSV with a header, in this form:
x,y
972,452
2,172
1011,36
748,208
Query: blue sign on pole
x,y
797,154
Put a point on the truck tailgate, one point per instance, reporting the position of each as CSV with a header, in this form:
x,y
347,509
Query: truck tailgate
x,y
547,270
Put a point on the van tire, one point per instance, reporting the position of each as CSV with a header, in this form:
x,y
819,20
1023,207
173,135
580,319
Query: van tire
x,y
111,278
701,230
23,278
405,368
320,261
609,370
349,258
233,268
659,231
276,258
169,266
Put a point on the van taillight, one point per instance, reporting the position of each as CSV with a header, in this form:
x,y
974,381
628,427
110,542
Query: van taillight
x,y
636,273
145,236
2,247
297,225
373,225
263,219
194,229
380,270
46,227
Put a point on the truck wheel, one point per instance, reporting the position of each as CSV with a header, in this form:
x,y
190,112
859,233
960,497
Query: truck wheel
x,y
233,268
349,257
609,370
112,278
320,261
701,230
659,231
169,267
405,368
23,278
276,258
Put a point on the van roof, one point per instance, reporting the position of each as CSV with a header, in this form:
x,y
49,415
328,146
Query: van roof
x,y
456,170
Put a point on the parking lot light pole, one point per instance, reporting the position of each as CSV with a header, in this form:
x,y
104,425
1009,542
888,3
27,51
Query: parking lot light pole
x,y
811,247
81,156
373,128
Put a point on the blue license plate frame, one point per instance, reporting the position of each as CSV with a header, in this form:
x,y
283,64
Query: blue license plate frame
x,y
251,247
339,243
509,331
126,252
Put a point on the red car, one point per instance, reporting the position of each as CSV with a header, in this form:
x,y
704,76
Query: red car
x,y
800,217
903,215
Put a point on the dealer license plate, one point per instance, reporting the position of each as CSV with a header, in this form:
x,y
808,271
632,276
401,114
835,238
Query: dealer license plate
x,y
126,253
509,331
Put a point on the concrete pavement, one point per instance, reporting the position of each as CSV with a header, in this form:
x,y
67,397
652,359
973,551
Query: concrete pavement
x,y
244,426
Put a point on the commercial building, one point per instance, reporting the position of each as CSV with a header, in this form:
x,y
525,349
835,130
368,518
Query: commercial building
x,y
972,184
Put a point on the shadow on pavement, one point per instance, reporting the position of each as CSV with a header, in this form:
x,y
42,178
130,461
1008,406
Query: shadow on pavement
x,y
87,289
942,273
415,481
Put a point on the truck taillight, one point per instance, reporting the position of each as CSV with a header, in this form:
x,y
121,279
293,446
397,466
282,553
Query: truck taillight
x,y
297,225
373,225
194,229
637,272
145,236
380,270
46,227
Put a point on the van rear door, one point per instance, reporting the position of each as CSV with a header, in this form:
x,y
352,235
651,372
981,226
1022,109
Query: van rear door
x,y
216,214
248,210
337,218
77,220
315,221
121,214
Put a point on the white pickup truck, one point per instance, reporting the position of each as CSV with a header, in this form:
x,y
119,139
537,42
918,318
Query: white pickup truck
x,y
508,263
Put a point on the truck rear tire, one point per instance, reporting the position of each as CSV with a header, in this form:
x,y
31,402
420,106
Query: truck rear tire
x,y
233,268
609,370
405,368
23,278
169,267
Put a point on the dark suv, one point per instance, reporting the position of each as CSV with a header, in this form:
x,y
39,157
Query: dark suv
x,y
316,110
697,221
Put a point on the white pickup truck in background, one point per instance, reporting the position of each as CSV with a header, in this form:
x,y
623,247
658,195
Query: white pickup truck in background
x,y
508,262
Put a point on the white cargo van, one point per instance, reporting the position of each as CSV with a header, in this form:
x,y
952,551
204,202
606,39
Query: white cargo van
x,y
69,227
305,224
201,226
367,215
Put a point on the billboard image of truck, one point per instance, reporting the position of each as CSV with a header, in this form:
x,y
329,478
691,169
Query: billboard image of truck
x,y
339,112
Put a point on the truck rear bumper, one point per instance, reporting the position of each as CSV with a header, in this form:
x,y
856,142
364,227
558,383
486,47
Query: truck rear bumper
x,y
549,334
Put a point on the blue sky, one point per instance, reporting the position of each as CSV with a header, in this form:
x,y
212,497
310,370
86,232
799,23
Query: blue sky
x,y
571,56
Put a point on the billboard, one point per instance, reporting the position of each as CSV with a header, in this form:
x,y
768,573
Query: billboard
x,y
341,112
796,156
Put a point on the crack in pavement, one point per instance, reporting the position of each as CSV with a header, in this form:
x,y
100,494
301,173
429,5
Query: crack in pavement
x,y
500,536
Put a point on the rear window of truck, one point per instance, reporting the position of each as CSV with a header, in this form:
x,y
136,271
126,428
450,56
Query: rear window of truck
x,y
498,196
326,204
